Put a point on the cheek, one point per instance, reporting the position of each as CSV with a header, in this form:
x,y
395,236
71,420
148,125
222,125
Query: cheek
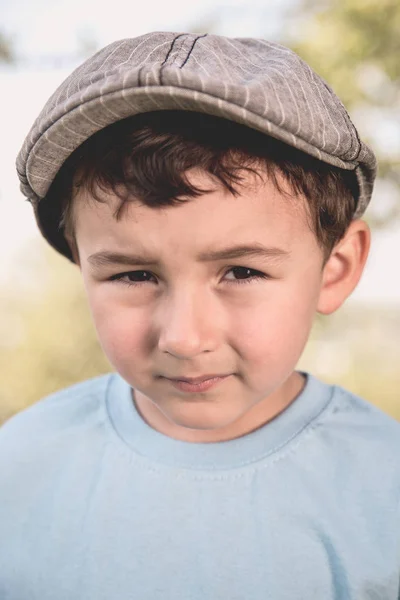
x,y
276,331
122,332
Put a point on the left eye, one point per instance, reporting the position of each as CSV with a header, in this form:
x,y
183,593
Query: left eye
x,y
248,274
136,278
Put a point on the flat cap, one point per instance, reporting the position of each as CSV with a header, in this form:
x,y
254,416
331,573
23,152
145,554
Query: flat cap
x,y
263,85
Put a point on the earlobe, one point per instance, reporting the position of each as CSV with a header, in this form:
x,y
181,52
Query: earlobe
x,y
344,267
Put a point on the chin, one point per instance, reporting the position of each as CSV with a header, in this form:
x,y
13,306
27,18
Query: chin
x,y
201,417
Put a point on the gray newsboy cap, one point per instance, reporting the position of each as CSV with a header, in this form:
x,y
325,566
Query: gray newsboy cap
x,y
260,84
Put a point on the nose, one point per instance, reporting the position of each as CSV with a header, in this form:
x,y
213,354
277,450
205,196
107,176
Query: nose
x,y
188,324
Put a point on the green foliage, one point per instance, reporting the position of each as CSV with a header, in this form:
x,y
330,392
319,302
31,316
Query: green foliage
x,y
345,37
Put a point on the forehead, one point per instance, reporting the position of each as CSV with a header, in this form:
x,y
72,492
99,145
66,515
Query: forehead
x,y
258,213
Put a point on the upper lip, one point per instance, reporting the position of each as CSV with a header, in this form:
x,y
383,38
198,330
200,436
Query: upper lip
x,y
195,379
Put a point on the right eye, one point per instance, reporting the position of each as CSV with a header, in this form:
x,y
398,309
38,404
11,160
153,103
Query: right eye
x,y
130,278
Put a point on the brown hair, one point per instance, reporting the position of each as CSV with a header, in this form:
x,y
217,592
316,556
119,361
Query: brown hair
x,y
147,157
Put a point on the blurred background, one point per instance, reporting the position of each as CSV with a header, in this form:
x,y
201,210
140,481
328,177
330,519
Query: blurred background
x,y
47,340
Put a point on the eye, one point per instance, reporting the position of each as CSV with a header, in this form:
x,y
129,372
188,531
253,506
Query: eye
x,y
246,275
129,278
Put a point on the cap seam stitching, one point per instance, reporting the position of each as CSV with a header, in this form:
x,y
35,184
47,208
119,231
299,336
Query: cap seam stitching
x,y
171,48
165,63
191,49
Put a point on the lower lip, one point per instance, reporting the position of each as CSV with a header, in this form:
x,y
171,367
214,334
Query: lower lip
x,y
185,386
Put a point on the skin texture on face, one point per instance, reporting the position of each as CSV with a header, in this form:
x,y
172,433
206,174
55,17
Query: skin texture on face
x,y
248,317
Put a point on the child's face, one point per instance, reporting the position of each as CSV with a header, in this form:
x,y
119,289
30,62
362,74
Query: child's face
x,y
186,317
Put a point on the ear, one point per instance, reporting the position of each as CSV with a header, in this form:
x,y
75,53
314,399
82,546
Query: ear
x,y
344,267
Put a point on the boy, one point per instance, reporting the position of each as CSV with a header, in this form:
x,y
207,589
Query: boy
x,y
210,191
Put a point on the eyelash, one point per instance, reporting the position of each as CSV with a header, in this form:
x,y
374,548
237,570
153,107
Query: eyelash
x,y
119,277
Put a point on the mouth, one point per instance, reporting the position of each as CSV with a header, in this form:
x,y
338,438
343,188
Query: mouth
x,y
196,380
201,386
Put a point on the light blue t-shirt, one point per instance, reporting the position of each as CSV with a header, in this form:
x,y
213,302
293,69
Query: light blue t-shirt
x,y
97,505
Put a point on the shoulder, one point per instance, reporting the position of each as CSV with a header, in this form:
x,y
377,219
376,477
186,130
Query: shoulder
x,y
74,408
49,452
364,417
364,440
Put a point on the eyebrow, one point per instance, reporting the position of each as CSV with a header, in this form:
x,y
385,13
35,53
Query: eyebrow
x,y
105,258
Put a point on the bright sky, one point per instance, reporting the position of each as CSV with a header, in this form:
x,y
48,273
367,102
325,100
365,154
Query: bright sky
x,y
58,28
